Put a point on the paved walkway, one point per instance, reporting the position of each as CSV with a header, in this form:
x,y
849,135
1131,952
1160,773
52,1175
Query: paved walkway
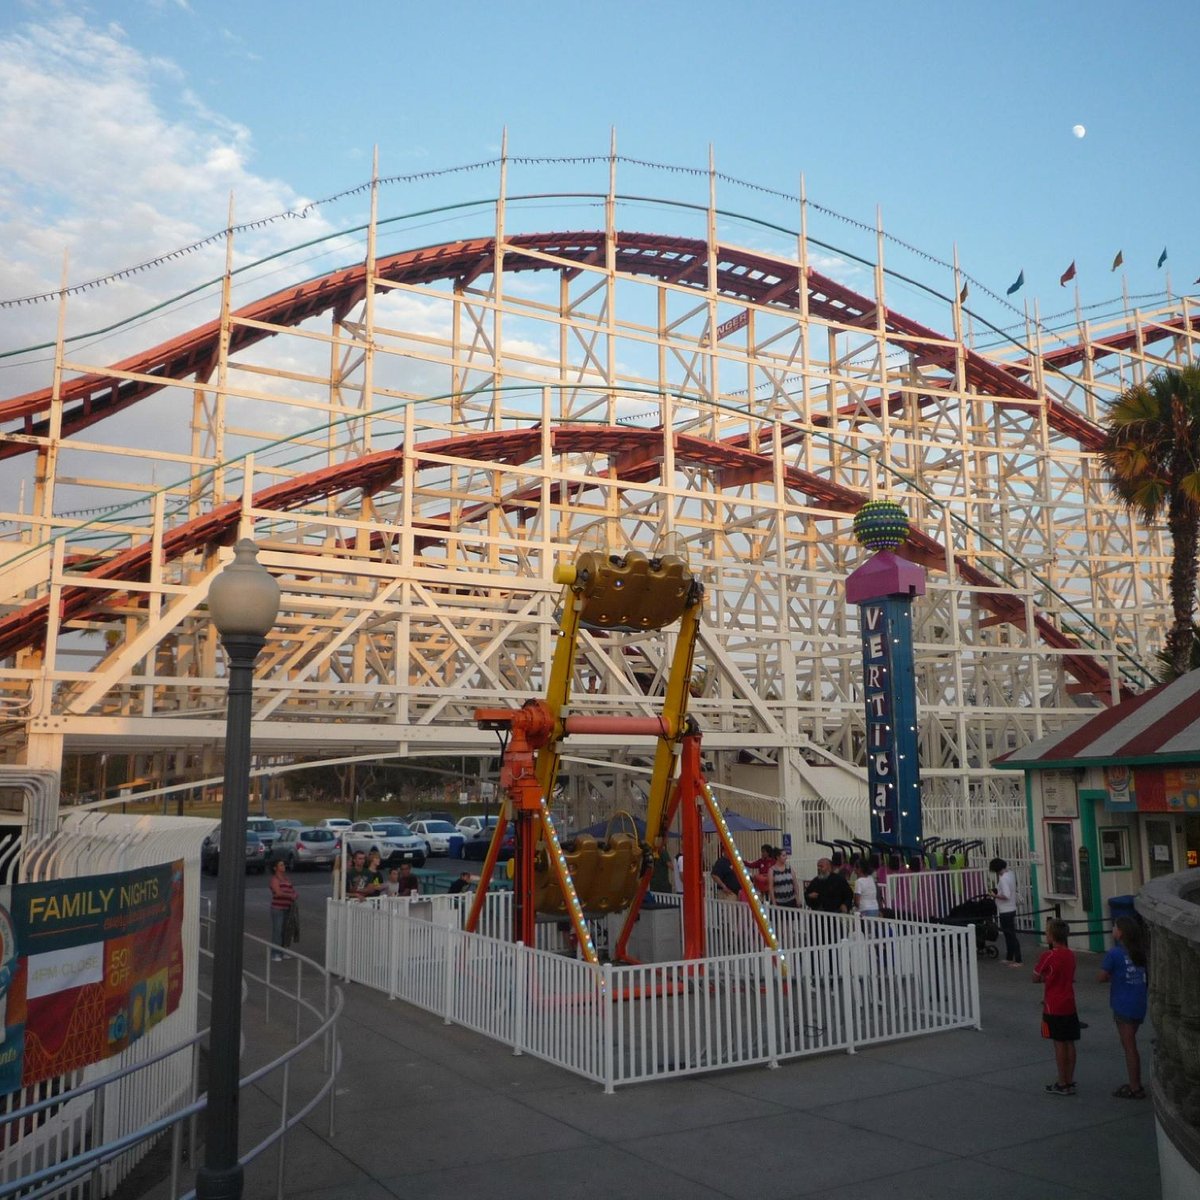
x,y
428,1110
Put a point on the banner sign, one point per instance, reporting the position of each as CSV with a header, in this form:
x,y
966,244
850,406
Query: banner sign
x,y
893,769
90,965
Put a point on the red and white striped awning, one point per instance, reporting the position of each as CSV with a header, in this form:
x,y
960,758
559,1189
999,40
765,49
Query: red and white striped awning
x,y
1161,725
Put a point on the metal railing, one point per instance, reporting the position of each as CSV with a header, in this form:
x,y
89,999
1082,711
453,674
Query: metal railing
x,y
838,983
89,1171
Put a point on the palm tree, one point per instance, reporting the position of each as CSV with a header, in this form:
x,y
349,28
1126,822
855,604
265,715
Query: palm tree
x,y
1152,455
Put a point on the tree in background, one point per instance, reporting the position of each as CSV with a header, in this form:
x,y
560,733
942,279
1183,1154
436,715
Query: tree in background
x,y
1152,456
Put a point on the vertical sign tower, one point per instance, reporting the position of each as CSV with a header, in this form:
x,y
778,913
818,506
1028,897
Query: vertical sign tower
x,y
883,588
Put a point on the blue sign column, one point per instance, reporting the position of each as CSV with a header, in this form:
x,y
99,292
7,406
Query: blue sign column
x,y
883,588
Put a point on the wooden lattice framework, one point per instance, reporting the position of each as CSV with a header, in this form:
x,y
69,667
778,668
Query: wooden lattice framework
x,y
416,439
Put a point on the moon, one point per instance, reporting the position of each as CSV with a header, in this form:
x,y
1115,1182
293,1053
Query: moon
x,y
1079,130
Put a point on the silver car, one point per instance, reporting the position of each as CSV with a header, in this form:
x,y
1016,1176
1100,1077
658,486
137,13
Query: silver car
x,y
306,848
394,840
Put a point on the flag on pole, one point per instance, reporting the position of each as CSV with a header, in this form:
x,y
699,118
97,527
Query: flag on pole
x,y
1162,258
1018,284
1118,260
962,296
1067,275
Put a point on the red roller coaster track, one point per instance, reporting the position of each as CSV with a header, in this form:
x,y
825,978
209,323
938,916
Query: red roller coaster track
x,y
636,456
741,275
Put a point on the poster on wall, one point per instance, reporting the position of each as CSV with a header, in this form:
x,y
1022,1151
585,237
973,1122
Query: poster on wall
x,y
1119,782
1181,788
91,964
1060,853
1060,794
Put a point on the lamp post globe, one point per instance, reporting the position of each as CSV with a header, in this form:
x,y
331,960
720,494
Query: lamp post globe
x,y
243,601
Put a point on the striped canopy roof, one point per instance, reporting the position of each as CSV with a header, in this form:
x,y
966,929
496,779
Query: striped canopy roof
x,y
1161,725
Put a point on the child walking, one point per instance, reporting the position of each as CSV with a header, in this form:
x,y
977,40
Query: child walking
x,y
1055,970
1124,970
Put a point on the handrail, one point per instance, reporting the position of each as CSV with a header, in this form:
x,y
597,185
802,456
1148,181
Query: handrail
x,y
54,1178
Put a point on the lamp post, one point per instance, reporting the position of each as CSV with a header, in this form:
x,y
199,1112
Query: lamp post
x,y
243,602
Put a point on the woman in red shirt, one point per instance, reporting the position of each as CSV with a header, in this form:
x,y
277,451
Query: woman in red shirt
x,y
283,896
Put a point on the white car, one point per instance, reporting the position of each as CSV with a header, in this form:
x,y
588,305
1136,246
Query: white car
x,y
437,835
394,840
337,824
473,826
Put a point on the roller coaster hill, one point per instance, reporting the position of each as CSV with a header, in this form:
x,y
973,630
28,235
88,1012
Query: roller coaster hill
x,y
417,439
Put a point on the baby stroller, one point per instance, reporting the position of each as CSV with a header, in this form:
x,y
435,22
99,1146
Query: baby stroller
x,y
980,912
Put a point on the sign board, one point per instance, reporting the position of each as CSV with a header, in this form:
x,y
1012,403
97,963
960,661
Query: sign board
x,y
90,965
1060,794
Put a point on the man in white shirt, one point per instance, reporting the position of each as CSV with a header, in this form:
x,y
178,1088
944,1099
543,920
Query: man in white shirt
x,y
1005,895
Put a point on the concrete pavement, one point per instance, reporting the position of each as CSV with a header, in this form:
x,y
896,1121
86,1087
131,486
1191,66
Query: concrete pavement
x,y
429,1110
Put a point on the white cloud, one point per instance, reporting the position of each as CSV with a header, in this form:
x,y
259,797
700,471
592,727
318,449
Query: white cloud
x,y
111,159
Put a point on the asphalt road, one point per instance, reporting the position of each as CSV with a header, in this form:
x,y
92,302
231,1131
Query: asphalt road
x,y
314,887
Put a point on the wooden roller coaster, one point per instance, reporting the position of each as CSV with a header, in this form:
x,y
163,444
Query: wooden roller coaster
x,y
587,876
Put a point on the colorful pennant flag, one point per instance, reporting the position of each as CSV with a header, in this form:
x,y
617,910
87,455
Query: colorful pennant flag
x,y
1118,260
1067,275
1162,258
1018,285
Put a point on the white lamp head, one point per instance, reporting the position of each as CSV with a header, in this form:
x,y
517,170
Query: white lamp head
x,y
244,598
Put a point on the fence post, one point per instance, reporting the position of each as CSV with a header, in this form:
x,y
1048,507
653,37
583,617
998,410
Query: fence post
x,y
391,950
283,1130
973,969
845,954
94,1188
606,1023
772,991
449,942
521,962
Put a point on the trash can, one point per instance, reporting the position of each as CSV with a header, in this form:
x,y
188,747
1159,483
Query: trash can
x,y
1121,906
456,845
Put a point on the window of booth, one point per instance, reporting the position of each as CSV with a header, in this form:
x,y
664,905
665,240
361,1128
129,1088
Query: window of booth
x,y
1060,859
1114,849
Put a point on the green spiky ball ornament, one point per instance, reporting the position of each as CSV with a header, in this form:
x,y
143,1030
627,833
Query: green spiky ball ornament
x,y
881,525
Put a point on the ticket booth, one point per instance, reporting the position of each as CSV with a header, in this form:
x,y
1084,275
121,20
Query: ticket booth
x,y
1112,801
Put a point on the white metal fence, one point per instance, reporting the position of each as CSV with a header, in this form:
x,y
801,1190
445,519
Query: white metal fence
x,y
283,1091
838,983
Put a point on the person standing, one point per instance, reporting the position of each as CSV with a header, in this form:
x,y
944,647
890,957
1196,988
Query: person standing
x,y
283,897
866,891
1055,970
1005,895
1124,970
725,877
406,882
781,881
760,869
829,891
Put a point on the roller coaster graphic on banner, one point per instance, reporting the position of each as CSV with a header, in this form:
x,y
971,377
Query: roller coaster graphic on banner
x,y
416,438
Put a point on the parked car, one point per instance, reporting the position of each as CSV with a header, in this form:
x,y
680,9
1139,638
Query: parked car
x,y
210,852
338,824
265,828
394,840
305,847
288,823
414,817
471,825
475,845
436,835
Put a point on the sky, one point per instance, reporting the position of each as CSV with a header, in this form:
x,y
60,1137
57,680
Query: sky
x,y
125,127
